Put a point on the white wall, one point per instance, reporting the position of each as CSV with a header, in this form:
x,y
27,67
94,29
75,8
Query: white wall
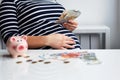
x,y
97,12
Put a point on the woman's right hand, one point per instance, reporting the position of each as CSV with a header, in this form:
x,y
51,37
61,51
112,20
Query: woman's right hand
x,y
59,41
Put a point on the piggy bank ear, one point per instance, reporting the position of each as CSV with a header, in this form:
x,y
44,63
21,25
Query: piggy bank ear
x,y
24,37
12,39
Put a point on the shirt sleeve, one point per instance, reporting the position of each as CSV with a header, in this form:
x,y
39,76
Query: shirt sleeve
x,y
8,19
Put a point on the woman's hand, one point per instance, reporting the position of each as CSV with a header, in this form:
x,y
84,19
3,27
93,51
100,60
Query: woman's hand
x,y
70,25
59,41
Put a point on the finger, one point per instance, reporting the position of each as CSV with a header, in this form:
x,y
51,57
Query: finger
x,y
68,46
68,38
73,22
64,24
69,25
72,28
72,25
70,42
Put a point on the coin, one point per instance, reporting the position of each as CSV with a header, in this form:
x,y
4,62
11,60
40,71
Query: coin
x,y
34,62
47,62
40,60
18,62
26,56
19,55
66,62
29,60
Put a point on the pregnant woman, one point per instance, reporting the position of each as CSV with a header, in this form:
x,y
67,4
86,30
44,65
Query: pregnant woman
x,y
37,20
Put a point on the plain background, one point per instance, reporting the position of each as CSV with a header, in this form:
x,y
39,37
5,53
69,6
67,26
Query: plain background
x,y
98,12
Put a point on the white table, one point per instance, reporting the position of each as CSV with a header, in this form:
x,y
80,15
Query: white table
x,y
109,69
91,29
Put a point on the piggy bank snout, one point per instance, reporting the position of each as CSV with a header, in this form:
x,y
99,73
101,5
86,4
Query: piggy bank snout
x,y
21,47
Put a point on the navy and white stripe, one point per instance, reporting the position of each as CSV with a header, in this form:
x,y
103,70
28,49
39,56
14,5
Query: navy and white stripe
x,y
31,18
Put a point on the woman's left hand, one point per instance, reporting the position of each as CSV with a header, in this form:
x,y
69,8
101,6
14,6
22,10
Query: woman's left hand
x,y
70,25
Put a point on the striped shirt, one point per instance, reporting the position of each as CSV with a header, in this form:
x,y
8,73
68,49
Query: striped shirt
x,y
33,18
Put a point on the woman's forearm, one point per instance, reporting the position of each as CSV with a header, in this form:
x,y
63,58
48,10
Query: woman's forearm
x,y
36,41
58,41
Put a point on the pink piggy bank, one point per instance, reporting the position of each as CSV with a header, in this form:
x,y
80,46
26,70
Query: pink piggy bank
x,y
17,46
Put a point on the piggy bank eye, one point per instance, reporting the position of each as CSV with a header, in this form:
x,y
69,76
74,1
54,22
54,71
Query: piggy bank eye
x,y
17,40
21,40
